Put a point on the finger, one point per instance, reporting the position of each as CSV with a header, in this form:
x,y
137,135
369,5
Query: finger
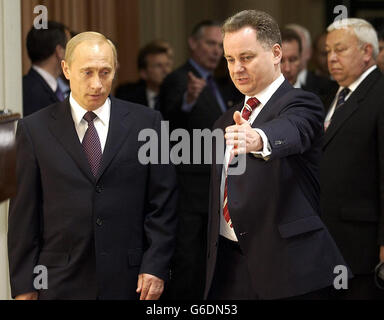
x,y
230,129
238,118
238,150
192,77
155,292
139,283
144,290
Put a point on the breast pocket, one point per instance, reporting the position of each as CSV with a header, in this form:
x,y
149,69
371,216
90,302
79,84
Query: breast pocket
x,y
300,231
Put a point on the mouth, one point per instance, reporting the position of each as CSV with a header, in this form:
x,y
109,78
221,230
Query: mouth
x,y
335,70
95,96
242,80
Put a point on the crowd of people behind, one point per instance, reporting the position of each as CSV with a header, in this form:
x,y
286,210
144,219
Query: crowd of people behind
x,y
192,97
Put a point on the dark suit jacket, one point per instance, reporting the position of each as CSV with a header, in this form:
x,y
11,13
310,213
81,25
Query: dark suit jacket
x,y
274,205
37,94
133,92
194,184
320,86
93,235
352,175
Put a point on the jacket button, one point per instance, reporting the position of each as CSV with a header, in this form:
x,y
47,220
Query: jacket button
x,y
99,222
99,189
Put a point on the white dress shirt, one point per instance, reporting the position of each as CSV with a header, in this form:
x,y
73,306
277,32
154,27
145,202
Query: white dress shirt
x,y
264,96
49,79
101,122
351,87
151,98
301,79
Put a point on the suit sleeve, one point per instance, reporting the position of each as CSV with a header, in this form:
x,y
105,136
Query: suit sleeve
x,y
24,216
171,100
296,126
160,220
380,138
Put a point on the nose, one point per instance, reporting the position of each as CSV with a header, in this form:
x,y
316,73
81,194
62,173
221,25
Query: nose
x,y
332,56
96,83
238,67
285,67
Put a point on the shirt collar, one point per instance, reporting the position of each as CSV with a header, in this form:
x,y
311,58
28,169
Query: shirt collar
x,y
151,94
203,72
50,79
78,112
268,92
353,86
302,77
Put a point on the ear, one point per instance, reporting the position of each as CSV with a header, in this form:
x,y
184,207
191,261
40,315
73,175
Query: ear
x,y
368,52
60,52
66,69
277,53
143,74
192,43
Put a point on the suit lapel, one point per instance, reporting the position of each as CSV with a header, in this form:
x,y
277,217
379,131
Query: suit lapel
x,y
119,127
350,106
268,108
63,128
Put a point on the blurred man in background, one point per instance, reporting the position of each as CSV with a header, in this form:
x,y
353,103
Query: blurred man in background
x,y
154,64
46,49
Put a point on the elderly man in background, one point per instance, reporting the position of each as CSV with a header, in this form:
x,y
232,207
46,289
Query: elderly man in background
x,y
352,165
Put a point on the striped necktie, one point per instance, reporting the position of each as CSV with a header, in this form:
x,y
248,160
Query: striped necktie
x,y
251,105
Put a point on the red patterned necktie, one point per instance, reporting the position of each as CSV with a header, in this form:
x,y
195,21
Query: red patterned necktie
x,y
251,105
91,143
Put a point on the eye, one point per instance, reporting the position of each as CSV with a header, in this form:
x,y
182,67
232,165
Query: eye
x,y
340,50
246,58
230,60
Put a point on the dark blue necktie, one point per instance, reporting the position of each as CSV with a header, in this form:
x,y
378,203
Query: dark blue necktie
x,y
59,94
341,98
216,93
91,143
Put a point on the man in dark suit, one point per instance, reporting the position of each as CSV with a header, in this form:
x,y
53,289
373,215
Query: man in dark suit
x,y
306,79
46,49
265,237
291,67
87,208
352,166
190,98
154,64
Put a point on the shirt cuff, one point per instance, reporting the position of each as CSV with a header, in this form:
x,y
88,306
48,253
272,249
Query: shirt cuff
x,y
187,107
267,150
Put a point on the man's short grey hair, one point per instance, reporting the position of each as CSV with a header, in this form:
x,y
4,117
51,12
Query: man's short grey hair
x,y
363,30
301,30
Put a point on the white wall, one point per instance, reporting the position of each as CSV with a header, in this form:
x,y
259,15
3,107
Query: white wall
x,y
11,98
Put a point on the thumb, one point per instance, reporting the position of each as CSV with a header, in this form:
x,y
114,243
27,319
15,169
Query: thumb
x,y
191,76
238,118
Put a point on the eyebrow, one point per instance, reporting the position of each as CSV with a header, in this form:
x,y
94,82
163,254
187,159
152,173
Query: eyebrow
x,y
246,53
90,68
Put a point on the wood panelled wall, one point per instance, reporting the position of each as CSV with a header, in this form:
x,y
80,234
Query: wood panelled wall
x,y
133,23
116,19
